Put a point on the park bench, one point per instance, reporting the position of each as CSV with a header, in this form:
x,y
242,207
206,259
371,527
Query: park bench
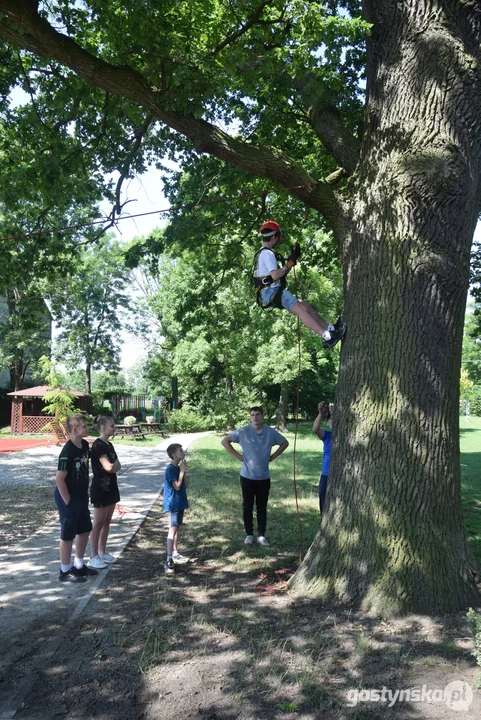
x,y
130,431
152,429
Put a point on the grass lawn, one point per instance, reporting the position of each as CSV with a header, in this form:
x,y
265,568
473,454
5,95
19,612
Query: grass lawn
x,y
215,517
471,481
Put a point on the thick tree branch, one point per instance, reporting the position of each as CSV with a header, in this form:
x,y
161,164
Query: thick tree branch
x,y
329,128
326,121
22,26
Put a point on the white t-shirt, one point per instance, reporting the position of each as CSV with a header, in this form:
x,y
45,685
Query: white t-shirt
x,y
266,261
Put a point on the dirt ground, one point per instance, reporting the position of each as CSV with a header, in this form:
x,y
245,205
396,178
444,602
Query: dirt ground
x,y
207,644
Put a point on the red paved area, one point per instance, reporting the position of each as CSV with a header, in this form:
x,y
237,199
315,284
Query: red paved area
x,y
11,445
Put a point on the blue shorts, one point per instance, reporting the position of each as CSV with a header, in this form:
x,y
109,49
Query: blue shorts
x,y
287,298
176,518
74,518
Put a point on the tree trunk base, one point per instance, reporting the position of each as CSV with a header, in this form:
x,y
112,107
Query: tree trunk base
x,y
389,591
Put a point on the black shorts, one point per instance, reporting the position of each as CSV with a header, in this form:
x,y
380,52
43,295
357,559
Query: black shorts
x,y
74,518
107,501
104,492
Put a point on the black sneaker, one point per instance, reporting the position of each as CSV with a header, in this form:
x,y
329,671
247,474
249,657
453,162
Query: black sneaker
x,y
83,571
69,576
90,571
338,333
169,566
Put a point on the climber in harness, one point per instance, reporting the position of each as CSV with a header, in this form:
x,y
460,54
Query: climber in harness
x,y
270,283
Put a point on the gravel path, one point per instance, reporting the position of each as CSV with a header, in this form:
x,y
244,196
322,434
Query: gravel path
x,y
37,466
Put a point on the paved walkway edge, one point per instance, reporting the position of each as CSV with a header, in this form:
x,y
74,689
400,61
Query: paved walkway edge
x,y
18,699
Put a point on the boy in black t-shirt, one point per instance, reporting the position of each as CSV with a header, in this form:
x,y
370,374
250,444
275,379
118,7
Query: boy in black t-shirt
x,y
71,498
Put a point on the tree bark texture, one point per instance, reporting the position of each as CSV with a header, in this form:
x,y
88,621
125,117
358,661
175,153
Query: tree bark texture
x,y
393,538
88,378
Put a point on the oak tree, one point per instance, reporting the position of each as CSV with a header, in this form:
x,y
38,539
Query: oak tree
x,y
276,89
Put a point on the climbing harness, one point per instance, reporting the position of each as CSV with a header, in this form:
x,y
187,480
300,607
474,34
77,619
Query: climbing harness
x,y
265,281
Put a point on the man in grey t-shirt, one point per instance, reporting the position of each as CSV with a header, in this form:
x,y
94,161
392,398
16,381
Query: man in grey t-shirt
x,y
256,441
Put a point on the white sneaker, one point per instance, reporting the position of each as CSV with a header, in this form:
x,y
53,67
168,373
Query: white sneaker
x,y
262,541
180,559
97,563
249,540
108,558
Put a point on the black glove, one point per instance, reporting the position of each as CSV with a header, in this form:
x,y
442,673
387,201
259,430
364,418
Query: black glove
x,y
295,253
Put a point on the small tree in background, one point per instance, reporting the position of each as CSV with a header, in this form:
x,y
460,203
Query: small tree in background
x,y
59,402
90,307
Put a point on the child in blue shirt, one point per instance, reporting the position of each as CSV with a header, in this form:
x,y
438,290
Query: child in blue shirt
x,y
175,502
326,437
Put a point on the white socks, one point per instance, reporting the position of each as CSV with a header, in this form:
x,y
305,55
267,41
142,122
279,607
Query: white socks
x,y
327,333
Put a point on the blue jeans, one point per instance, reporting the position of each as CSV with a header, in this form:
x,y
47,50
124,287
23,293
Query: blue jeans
x,y
322,492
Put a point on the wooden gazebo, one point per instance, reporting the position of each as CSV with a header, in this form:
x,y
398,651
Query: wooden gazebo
x,y
27,408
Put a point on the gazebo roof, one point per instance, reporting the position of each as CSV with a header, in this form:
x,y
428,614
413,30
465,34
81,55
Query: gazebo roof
x,y
40,391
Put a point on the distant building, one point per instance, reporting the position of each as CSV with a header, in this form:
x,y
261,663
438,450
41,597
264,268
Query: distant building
x,y
27,406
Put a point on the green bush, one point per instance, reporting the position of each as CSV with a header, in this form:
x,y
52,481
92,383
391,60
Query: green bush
x,y
232,410
187,420
474,397
98,405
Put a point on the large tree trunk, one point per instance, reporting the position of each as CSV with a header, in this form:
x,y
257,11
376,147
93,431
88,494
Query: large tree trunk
x,y
393,535
88,377
281,410
17,367
17,372
175,391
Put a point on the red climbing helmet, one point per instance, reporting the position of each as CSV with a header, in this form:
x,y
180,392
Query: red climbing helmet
x,y
269,229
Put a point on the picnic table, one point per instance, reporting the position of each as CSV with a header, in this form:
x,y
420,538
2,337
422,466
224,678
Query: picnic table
x,y
152,428
134,431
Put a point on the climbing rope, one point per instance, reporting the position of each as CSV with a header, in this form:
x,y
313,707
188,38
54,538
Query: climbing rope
x,y
298,394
